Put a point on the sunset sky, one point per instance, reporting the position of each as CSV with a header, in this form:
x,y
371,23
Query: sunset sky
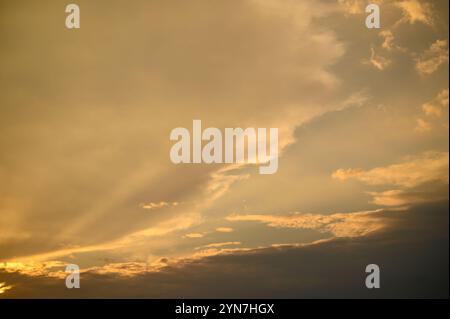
x,y
86,178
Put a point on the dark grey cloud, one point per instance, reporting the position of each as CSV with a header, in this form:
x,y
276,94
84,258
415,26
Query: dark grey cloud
x,y
412,255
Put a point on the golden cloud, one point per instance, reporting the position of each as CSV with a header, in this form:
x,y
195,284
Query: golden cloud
x,y
378,61
215,245
428,167
340,224
437,106
4,287
161,204
224,229
430,60
194,235
416,11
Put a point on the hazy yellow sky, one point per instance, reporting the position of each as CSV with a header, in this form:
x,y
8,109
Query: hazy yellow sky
x,y
86,178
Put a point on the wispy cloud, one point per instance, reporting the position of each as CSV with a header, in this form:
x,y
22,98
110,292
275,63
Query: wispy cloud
x,y
194,235
437,106
377,61
429,61
217,245
434,113
339,225
421,179
158,205
422,126
416,11
4,287
427,167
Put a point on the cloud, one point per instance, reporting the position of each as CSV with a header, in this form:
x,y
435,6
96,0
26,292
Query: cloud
x,y
194,235
406,197
357,6
389,43
422,126
438,105
353,6
413,11
422,179
82,189
216,245
354,224
36,262
159,205
389,46
50,268
388,39
434,112
276,63
378,61
427,167
429,61
128,269
416,11
224,229
413,258
4,287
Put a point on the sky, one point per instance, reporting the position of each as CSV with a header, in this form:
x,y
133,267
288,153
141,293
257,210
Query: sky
x,y
86,177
